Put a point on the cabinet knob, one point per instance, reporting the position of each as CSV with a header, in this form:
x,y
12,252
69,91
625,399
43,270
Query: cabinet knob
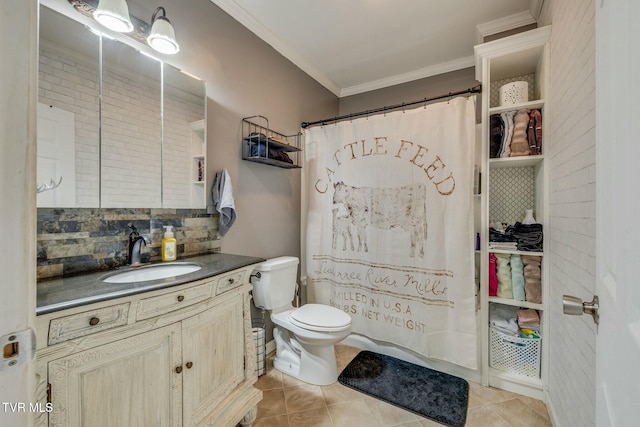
x,y
94,321
178,369
180,298
189,365
231,281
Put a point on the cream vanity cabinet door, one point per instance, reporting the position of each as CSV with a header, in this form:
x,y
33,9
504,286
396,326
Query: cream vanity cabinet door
x,y
213,357
130,382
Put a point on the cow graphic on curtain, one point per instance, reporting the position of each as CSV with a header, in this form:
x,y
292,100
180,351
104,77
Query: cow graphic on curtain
x,y
385,208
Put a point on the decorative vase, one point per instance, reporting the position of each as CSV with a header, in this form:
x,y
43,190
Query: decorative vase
x,y
528,217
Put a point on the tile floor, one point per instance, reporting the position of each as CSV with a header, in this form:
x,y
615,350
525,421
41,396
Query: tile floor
x,y
288,402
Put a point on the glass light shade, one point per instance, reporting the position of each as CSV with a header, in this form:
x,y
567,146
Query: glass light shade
x,y
162,37
114,14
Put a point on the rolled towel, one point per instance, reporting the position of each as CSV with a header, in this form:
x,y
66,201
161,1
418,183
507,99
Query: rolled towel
x,y
507,118
532,283
504,276
534,132
517,278
497,132
519,145
493,278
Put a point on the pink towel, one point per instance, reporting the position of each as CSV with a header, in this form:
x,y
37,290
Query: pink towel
x,y
493,277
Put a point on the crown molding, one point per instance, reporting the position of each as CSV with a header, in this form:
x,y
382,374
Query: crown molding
x,y
535,7
421,73
504,24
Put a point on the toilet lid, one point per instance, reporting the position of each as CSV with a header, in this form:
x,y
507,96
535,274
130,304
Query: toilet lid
x,y
319,317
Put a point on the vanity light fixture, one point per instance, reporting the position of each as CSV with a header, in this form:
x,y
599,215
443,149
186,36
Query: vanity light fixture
x,y
114,14
162,37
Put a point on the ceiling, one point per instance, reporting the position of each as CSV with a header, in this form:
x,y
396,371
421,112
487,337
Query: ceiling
x,y
354,46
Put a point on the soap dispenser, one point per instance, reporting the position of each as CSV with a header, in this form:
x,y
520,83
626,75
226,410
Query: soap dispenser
x,y
168,250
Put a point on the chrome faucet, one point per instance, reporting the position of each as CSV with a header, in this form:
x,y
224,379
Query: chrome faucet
x,y
136,240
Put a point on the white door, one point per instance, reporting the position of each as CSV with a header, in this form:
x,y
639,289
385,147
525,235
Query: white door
x,y
617,208
18,89
56,156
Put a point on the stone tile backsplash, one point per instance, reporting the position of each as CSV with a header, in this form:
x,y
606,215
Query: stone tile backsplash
x,y
82,240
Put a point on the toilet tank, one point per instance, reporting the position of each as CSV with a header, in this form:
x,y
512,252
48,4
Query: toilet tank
x,y
276,285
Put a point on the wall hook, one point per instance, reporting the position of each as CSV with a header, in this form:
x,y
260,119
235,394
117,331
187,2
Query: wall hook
x,y
42,187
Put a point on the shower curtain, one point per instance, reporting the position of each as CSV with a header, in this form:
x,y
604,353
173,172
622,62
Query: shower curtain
x,y
389,226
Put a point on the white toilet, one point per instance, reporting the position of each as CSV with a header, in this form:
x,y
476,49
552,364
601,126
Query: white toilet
x,y
304,336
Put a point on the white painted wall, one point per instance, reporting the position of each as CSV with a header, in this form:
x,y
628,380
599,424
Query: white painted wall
x,y
570,146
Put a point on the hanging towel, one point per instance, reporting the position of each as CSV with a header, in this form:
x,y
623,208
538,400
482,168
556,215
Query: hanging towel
x,y
222,195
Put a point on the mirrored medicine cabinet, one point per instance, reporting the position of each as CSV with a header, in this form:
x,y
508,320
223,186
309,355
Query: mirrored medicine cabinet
x,y
116,128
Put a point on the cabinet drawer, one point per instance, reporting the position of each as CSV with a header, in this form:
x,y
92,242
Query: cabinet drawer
x,y
156,306
229,281
88,322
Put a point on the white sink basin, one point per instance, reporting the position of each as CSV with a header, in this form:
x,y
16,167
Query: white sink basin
x,y
153,272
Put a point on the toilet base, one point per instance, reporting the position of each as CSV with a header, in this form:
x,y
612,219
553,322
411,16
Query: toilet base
x,y
309,363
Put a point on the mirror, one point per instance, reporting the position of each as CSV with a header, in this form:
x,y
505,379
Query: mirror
x,y
130,153
124,141
184,147
68,112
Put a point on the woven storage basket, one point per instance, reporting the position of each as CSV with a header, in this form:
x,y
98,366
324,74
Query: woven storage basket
x,y
514,354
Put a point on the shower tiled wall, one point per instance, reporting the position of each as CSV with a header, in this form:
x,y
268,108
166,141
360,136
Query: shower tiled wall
x,y
81,240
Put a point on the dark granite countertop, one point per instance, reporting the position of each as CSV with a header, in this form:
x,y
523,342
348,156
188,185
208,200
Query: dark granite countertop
x,y
59,294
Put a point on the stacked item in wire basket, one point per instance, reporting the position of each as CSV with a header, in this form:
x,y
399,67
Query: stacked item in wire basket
x,y
514,340
263,145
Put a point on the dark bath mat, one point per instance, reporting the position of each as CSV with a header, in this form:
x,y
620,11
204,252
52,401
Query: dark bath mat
x,y
440,397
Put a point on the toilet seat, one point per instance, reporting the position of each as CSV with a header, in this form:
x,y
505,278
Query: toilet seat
x,y
321,318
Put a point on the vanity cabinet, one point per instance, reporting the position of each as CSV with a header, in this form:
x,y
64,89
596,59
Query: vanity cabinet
x,y
123,383
187,363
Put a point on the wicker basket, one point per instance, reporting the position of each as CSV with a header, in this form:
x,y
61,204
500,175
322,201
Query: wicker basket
x,y
514,354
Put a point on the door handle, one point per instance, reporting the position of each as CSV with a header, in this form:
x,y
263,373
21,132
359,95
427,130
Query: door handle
x,y
575,306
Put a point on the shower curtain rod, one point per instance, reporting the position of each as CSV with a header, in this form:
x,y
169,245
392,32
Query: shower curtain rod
x,y
475,89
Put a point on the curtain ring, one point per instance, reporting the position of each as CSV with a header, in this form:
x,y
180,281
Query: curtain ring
x,y
449,100
385,111
425,103
403,108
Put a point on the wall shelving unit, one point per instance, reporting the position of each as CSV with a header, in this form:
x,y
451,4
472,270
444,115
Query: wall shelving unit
x,y
261,144
504,181
198,164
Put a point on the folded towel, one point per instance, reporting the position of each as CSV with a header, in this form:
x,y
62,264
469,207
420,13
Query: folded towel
x,y
222,195
529,236
504,318
529,319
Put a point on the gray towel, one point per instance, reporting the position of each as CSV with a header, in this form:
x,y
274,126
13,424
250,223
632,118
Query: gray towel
x,y
222,195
